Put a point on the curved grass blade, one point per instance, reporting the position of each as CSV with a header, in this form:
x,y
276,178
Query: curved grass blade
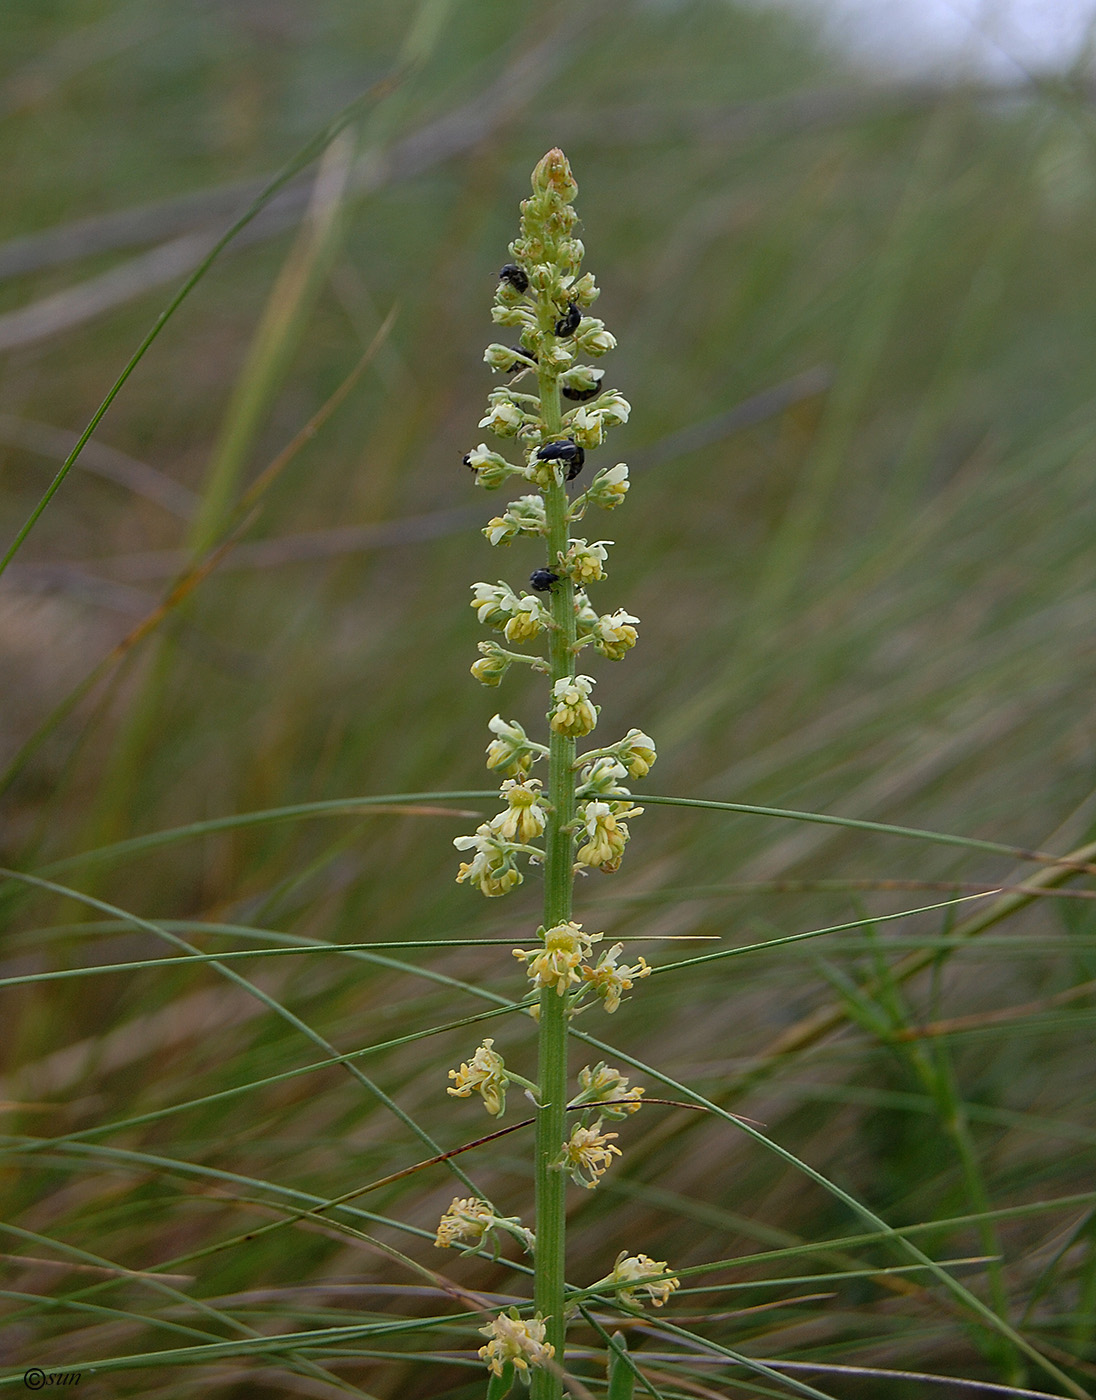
x,y
893,1236
303,158
1076,862
914,833
271,1003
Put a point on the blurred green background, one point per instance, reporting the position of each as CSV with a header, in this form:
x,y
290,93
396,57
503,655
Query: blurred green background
x,y
855,319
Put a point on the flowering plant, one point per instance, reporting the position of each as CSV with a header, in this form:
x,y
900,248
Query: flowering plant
x,y
579,820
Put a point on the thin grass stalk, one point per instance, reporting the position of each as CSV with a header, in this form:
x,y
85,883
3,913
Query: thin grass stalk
x,y
308,153
274,343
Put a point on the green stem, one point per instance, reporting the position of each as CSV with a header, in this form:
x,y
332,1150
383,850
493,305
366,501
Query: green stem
x,y
551,1184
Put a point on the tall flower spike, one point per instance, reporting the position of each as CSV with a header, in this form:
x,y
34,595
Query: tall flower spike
x,y
579,816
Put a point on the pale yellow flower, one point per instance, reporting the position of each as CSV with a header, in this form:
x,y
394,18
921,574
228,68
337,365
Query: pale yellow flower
x,y
525,515
483,1074
492,665
614,408
499,530
605,1086
504,418
585,562
587,1154
490,468
572,713
610,982
528,619
557,965
491,869
637,752
586,427
515,1340
494,603
615,634
465,1223
606,834
524,818
469,1222
511,749
592,336
603,778
659,1282
609,487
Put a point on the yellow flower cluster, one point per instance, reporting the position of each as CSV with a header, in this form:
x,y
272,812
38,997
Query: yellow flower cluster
x,y
650,1276
606,834
571,712
587,1153
465,1223
524,817
557,965
483,1074
517,1341
615,634
609,1089
511,750
469,1221
491,869
609,982
585,562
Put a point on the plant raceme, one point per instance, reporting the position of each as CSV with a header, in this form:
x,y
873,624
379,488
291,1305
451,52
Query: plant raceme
x,y
578,819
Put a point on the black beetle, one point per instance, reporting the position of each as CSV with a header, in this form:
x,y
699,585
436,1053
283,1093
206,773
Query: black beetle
x,y
542,579
515,275
568,324
521,364
564,450
581,395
